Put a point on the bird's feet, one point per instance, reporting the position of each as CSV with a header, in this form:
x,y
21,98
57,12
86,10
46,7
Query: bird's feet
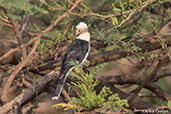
x,y
55,98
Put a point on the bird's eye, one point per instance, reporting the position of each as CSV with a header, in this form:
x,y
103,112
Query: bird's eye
x,y
78,30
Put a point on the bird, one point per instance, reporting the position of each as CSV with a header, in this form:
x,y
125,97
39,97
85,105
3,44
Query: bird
x,y
78,50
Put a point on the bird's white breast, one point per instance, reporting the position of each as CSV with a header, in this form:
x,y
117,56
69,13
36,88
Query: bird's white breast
x,y
84,36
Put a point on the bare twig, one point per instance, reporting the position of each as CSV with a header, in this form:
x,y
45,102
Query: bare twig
x,y
17,108
25,23
157,30
51,7
16,49
5,20
159,92
19,37
6,24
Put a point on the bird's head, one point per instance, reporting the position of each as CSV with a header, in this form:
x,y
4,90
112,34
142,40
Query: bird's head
x,y
81,28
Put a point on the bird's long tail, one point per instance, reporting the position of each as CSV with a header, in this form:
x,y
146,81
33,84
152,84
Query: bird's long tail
x,y
59,87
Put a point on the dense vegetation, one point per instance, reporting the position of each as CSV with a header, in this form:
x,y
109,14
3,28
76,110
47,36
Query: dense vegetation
x,y
35,33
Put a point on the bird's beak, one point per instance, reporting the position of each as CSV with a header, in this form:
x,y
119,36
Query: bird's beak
x,y
77,32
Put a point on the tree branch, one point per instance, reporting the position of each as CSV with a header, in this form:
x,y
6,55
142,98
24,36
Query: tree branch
x,y
117,53
161,76
25,23
38,86
146,80
158,91
19,37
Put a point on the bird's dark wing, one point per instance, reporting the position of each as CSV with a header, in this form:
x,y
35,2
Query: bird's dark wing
x,y
76,51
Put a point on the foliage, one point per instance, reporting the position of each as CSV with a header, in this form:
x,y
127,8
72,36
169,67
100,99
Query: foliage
x,y
18,8
89,99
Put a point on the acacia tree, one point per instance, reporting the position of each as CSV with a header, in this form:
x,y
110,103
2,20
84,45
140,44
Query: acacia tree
x,y
120,29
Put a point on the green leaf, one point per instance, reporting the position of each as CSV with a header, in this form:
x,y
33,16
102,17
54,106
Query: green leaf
x,y
114,21
121,4
116,10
